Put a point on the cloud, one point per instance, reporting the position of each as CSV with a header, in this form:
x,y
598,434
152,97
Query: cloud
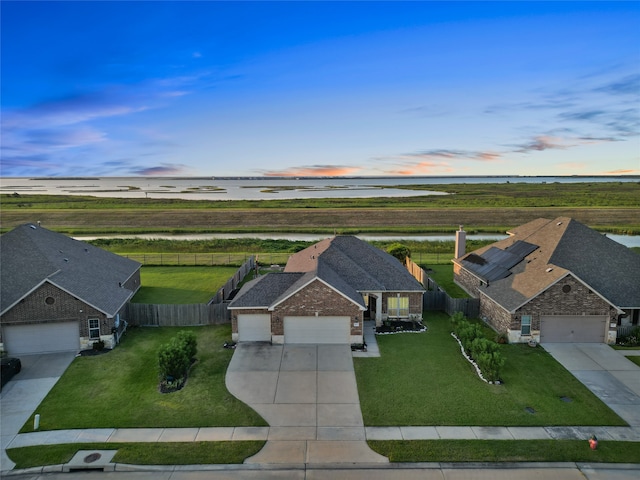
x,y
541,143
163,169
314,171
622,172
629,85
421,168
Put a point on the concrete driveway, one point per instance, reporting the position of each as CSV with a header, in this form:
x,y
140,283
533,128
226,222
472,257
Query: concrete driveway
x,y
309,397
606,372
22,395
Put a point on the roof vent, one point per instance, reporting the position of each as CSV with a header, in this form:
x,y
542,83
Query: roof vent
x,y
559,223
66,259
550,269
32,226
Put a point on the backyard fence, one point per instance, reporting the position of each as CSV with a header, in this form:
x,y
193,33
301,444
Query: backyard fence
x,y
435,298
203,259
214,312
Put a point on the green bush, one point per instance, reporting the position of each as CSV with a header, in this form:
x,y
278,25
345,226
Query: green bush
x,y
485,352
188,338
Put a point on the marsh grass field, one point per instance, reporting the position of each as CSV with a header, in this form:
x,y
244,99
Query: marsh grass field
x,y
607,206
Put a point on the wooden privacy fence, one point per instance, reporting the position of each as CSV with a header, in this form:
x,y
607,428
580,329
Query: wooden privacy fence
x,y
169,315
435,298
214,312
223,292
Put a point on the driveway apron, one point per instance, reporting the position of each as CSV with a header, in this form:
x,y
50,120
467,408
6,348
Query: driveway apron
x,y
606,372
309,397
22,394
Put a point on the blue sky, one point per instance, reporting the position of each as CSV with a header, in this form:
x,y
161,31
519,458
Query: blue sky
x,y
319,88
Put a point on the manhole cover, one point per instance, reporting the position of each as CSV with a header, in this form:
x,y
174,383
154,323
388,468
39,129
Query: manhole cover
x,y
92,458
530,409
566,399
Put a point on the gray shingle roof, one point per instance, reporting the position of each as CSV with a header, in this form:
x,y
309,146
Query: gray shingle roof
x,y
346,263
31,255
563,246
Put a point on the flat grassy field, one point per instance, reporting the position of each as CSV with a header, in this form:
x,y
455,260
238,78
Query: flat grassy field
x,y
119,389
423,379
611,206
180,285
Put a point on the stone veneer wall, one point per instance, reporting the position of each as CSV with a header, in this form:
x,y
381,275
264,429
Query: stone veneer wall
x,y
466,280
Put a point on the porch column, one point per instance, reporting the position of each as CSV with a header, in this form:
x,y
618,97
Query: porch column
x,y
378,308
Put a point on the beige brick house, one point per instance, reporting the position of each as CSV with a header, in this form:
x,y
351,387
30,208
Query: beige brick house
x,y
554,281
324,294
60,294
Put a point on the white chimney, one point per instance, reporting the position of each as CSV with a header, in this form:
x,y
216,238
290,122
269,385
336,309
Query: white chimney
x,y
461,241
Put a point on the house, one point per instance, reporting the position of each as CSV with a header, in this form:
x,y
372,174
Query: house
x,y
60,294
324,294
554,281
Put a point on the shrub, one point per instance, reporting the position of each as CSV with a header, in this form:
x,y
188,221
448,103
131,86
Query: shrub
x,y
400,251
485,352
98,345
188,338
173,359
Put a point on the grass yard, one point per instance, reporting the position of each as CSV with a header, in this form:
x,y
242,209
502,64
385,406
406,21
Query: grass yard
x,y
120,389
188,453
634,359
181,284
423,379
507,451
443,276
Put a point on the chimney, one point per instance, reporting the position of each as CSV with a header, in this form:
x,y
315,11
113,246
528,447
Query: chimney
x,y
461,240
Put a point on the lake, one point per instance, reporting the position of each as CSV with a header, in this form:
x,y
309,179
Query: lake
x,y
262,188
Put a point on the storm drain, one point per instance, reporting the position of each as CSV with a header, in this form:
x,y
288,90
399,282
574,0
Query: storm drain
x,y
85,460
530,410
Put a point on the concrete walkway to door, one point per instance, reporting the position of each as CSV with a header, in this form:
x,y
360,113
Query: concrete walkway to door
x,y
309,396
606,372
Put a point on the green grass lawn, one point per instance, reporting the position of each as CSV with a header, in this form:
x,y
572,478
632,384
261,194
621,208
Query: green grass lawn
x,y
443,276
181,284
187,453
423,379
120,389
635,359
507,451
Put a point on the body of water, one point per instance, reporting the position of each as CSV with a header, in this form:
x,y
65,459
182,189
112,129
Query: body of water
x,y
626,240
212,188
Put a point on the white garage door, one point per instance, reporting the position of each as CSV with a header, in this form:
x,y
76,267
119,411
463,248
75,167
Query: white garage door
x,y
254,328
317,330
41,338
573,329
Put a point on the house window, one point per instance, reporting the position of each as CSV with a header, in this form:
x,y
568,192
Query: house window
x,y
94,328
525,328
398,306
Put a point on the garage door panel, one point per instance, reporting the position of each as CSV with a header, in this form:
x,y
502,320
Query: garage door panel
x,y
254,328
41,338
323,330
573,329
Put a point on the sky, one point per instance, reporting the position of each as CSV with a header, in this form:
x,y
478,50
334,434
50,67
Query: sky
x,y
328,88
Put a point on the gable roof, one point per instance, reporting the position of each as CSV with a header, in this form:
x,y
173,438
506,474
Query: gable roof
x,y
548,250
346,264
31,255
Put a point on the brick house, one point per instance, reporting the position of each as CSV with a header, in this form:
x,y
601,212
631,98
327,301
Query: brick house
x,y
553,281
324,294
60,294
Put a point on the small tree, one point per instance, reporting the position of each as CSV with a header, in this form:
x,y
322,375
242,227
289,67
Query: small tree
x,y
174,359
400,251
188,338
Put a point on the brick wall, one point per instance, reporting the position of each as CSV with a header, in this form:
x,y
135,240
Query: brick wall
x,y
317,298
494,314
466,280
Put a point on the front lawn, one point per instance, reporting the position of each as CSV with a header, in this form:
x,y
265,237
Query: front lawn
x,y
119,389
635,359
423,379
181,284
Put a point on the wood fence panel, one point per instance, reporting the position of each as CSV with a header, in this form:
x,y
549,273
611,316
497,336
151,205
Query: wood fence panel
x,y
169,315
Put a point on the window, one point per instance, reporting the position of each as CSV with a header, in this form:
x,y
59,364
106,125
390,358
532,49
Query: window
x,y
94,328
398,306
525,328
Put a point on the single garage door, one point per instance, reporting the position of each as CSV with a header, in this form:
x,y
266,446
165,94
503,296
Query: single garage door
x,y
317,330
41,338
254,328
573,329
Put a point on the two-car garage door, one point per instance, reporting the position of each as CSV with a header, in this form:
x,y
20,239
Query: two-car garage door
x,y
317,329
41,338
297,329
573,329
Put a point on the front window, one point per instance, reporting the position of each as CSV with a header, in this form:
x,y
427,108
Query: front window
x,y
525,328
398,306
94,328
